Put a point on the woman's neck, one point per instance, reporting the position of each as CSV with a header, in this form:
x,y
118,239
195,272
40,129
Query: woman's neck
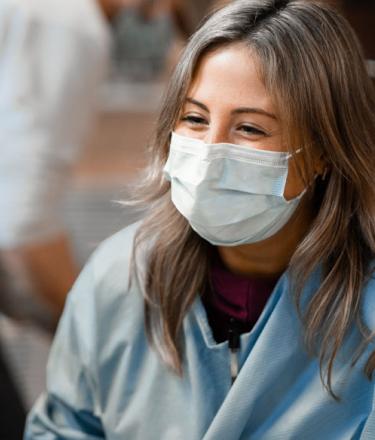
x,y
269,258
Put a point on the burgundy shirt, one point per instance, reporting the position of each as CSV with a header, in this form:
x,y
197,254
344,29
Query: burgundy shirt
x,y
235,297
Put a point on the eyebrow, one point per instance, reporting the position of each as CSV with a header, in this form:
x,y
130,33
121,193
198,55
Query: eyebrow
x,y
240,110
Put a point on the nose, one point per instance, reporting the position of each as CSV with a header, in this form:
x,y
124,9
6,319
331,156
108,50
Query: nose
x,y
216,134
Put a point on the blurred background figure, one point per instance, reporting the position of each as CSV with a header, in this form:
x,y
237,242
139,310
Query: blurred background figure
x,y
54,57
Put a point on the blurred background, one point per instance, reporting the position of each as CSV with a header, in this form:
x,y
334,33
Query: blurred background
x,y
106,99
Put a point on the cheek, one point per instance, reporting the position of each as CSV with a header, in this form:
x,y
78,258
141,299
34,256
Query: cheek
x,y
179,128
294,184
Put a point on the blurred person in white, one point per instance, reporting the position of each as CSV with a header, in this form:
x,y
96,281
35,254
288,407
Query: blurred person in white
x,y
53,57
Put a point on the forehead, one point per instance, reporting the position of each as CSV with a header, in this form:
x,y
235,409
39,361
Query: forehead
x,y
230,75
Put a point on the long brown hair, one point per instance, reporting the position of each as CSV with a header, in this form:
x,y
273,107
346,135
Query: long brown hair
x,y
313,66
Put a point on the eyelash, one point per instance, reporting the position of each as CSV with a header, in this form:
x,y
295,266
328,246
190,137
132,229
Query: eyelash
x,y
247,129
194,120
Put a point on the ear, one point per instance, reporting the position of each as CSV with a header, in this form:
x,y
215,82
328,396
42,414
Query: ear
x,y
321,167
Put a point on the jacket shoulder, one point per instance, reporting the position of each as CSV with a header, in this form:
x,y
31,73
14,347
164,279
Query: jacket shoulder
x,y
115,250
103,302
104,281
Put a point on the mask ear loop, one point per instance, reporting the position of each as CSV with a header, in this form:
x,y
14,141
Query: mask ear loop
x,y
290,155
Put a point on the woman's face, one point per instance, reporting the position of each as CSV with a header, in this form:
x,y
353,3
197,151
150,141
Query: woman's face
x,y
227,102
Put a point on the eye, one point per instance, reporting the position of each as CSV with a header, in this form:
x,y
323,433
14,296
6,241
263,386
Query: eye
x,y
251,130
194,120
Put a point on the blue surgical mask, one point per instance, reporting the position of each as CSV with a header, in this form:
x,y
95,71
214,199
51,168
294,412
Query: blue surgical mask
x,y
230,194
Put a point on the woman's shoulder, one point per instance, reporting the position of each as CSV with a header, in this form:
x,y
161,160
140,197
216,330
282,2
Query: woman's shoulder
x,y
104,283
102,302
114,254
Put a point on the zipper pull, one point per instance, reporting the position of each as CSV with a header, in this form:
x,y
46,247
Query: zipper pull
x,y
234,344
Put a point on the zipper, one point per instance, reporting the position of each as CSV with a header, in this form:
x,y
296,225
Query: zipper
x,y
234,344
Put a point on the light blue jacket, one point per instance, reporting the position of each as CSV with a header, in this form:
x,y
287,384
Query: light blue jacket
x,y
105,382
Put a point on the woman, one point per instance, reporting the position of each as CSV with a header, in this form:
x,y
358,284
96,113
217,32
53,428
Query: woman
x,y
253,270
